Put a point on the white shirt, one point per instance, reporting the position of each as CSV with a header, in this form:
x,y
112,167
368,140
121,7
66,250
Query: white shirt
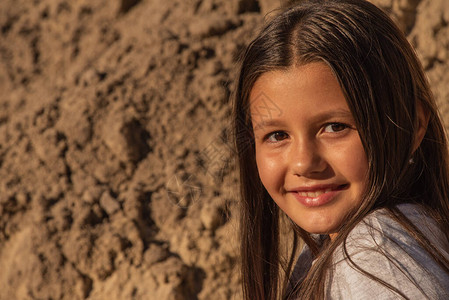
x,y
382,247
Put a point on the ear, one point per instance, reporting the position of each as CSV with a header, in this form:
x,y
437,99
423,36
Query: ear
x,y
423,119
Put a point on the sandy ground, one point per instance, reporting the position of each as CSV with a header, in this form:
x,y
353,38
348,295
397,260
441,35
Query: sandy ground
x,y
117,172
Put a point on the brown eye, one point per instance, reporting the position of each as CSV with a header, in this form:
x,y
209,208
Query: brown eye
x,y
335,127
276,136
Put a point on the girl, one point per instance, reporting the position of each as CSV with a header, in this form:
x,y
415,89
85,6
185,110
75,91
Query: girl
x,y
335,125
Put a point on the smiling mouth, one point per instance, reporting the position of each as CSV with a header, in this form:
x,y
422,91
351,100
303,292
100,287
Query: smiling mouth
x,y
318,196
316,193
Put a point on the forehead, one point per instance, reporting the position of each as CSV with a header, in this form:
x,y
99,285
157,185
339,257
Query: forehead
x,y
309,89
297,76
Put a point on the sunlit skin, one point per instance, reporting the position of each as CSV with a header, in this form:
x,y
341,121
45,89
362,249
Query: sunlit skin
x,y
309,155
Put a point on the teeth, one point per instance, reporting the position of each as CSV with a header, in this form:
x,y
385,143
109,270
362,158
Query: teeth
x,y
314,194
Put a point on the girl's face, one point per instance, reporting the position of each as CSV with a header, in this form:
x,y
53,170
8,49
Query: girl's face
x,y
308,151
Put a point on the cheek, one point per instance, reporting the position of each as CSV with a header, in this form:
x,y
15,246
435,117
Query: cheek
x,y
356,164
269,169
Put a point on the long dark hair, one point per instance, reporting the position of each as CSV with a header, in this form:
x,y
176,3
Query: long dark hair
x,y
383,83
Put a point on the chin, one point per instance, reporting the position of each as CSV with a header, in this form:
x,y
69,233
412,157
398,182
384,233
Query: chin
x,y
323,229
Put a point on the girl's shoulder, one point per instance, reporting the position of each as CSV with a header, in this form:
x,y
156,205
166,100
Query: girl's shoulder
x,y
380,228
380,252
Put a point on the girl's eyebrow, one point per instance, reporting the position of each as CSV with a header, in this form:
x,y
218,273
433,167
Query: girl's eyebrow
x,y
329,115
268,123
340,113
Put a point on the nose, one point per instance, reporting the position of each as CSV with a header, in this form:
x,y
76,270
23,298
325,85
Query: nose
x,y
305,159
